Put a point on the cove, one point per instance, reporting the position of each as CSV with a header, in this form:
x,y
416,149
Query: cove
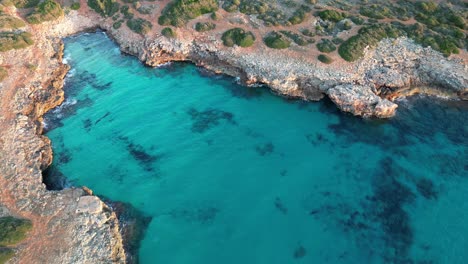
x,y
230,174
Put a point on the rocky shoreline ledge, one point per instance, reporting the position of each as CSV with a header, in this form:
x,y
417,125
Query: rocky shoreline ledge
x,y
72,225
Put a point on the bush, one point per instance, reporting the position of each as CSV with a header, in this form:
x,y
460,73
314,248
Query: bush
x,y
325,59
331,15
45,11
276,40
15,40
205,26
179,12
325,45
353,48
25,3
6,254
117,24
298,39
3,75
299,15
75,6
168,32
139,25
10,22
239,37
127,12
105,8
13,230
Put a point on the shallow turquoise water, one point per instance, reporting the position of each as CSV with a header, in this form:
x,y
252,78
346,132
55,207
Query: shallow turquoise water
x,y
230,174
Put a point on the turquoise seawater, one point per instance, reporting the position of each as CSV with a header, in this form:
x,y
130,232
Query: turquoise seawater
x,y
230,174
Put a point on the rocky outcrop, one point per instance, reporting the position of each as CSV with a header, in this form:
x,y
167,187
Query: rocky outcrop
x,y
396,68
361,101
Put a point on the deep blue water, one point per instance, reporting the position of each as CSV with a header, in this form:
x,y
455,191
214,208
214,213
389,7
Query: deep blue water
x,y
230,174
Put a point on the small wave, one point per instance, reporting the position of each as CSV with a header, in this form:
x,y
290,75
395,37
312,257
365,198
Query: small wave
x,y
164,65
66,59
59,109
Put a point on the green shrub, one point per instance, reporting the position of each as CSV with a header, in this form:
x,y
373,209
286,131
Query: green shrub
x,y
326,45
75,6
168,32
239,37
117,24
13,230
299,15
139,25
276,40
6,254
357,20
45,11
376,11
25,3
3,75
105,8
127,12
15,40
353,48
10,22
325,59
298,39
331,15
337,41
308,33
204,26
179,12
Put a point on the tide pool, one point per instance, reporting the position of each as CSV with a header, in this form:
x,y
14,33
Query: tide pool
x,y
230,174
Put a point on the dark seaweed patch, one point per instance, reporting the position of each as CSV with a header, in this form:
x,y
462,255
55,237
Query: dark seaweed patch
x,y
64,156
138,152
316,139
390,196
101,118
265,149
204,120
299,252
87,124
199,215
426,188
280,206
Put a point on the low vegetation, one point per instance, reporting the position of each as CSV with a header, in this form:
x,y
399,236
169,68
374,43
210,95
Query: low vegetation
x,y
3,75
75,6
239,37
297,38
15,40
326,45
299,15
168,32
179,12
46,11
105,8
10,22
13,230
24,3
6,254
325,59
276,40
331,15
204,26
139,25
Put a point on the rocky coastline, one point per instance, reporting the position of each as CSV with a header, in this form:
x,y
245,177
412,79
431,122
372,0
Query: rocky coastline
x,y
74,226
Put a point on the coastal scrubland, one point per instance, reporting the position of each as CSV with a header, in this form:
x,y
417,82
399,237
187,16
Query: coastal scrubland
x,y
338,28
12,231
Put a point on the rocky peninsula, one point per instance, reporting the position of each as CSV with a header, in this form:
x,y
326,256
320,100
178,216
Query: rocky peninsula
x,y
72,225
